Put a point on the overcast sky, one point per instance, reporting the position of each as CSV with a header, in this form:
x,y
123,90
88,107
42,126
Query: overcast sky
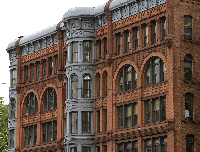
x,y
24,17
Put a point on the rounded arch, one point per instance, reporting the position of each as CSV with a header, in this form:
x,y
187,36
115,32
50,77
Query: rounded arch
x,y
120,68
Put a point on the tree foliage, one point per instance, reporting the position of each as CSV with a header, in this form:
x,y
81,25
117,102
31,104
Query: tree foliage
x,y
4,115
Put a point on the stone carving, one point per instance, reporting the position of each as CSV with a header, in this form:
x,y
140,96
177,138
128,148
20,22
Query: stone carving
x,y
31,48
104,21
116,15
151,3
87,24
37,46
74,25
49,41
142,5
56,39
125,12
44,43
25,50
79,68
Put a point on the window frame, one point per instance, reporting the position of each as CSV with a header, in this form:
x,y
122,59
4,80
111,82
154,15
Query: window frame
x,y
27,138
189,106
154,31
188,71
124,148
38,70
74,82
12,139
44,64
88,121
76,122
145,34
14,78
49,105
13,108
87,51
119,43
87,82
127,34
150,144
188,26
75,52
49,131
29,104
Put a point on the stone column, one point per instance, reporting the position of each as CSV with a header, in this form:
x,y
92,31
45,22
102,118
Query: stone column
x,y
141,38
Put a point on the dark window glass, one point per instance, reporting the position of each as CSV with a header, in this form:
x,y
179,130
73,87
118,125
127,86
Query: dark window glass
x,y
119,43
105,148
188,27
105,80
98,85
99,49
86,149
44,68
98,149
73,149
31,104
145,34
50,65
158,144
189,143
32,72
87,51
49,131
86,122
163,22
74,86
188,67
30,136
74,120
75,52
127,116
14,77
98,121
155,110
127,41
38,70
128,79
87,86
154,30
105,118
155,71
56,59
136,35
105,47
26,74
131,146
188,106
50,100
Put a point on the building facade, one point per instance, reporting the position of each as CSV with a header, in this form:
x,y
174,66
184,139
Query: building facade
x,y
119,77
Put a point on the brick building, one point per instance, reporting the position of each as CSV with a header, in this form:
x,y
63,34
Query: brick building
x,y
119,77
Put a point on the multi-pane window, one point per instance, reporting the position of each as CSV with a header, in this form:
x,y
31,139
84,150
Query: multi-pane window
x,y
188,106
49,131
163,22
50,100
87,86
127,40
189,143
31,104
105,119
145,34
157,144
127,116
119,43
155,110
38,70
188,27
154,30
99,49
13,108
75,52
12,139
86,149
188,67
56,59
98,121
87,51
128,79
14,77
74,122
86,122
131,146
73,149
105,46
105,84
98,85
44,68
74,86
26,74
50,65
155,72
136,36
30,136
32,72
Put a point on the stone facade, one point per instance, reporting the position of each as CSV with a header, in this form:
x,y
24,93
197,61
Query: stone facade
x,y
122,76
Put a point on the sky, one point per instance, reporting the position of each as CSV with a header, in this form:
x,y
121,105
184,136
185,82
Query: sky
x,y
24,17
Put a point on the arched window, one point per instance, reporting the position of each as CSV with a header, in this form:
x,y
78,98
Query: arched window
x,y
74,86
128,79
31,104
50,101
155,72
87,86
188,67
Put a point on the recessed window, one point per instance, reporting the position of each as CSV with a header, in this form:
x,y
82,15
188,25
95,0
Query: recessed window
x,y
87,86
12,139
127,33
49,131
154,30
105,79
38,70
13,108
50,65
14,77
26,74
188,67
189,143
155,72
131,146
145,34
74,122
127,116
188,106
87,51
73,149
105,46
98,85
44,68
50,100
98,121
32,72
155,110
188,27
31,104
56,59
105,148
86,122
105,118
136,36
156,144
119,43
98,148
86,149
30,136
75,52
99,49
128,79
74,86
163,22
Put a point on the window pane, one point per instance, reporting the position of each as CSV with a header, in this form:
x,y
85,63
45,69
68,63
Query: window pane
x,y
128,116
86,149
148,111
73,149
74,120
148,145
86,120
87,51
74,86
75,52
156,110
121,117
